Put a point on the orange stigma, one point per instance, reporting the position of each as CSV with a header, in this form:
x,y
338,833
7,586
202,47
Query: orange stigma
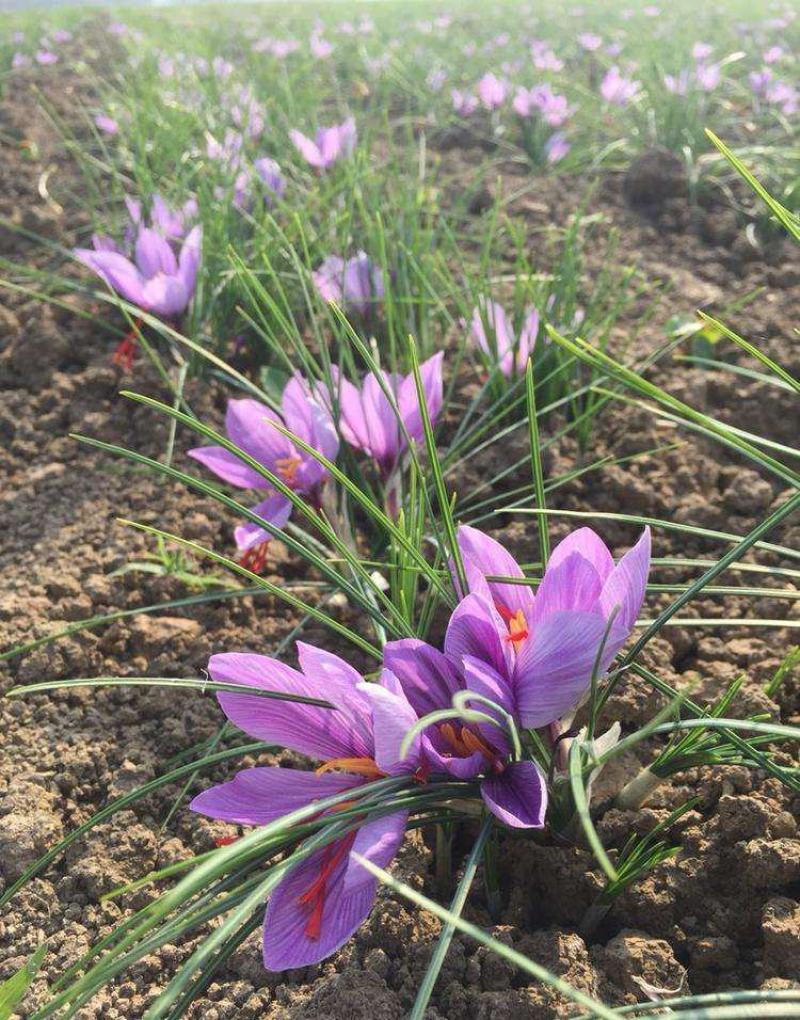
x,y
365,767
287,468
517,627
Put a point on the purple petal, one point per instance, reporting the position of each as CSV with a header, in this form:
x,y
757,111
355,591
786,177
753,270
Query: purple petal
x,y
348,897
307,149
427,676
518,796
625,585
189,260
276,509
248,424
476,629
392,718
554,666
153,254
589,544
228,467
318,732
260,795
115,270
572,584
483,555
164,295
408,404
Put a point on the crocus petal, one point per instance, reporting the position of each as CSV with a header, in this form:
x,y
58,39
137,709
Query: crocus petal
x,y
349,895
392,718
189,259
407,398
554,666
164,295
276,509
625,585
573,583
115,270
481,678
307,149
248,424
589,544
322,733
153,254
477,629
428,678
228,467
518,796
482,556
260,795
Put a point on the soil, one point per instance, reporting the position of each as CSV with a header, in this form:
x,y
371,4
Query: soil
x,y
686,928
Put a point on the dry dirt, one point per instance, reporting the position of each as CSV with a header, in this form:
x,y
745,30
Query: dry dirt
x,y
688,927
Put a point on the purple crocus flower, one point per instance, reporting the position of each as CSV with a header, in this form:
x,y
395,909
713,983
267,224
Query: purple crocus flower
x,y
330,144
249,424
491,91
271,177
677,85
615,88
20,60
106,124
321,901
702,51
773,55
154,279
589,42
511,351
368,422
61,35
355,284
708,76
553,108
464,104
556,147
321,49
759,80
45,57
542,648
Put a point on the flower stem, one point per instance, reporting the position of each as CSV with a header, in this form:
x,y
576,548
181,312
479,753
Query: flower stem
x,y
637,791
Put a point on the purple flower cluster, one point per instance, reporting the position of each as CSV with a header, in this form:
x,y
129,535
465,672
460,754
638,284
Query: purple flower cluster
x,y
523,660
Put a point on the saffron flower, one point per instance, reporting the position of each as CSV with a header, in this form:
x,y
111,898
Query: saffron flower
x,y
45,57
708,76
269,173
677,85
155,278
502,344
329,145
702,51
542,648
368,422
321,49
491,91
589,41
556,147
464,104
20,60
250,425
106,124
553,108
616,89
321,901
356,284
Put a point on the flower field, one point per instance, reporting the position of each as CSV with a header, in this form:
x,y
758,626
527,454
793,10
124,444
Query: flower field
x,y
400,538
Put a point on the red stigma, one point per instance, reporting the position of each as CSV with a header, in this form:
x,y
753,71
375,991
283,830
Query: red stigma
x,y
126,350
255,559
314,896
